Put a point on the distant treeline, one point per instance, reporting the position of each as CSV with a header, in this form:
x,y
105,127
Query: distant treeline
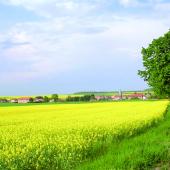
x,y
110,93
96,93
81,98
46,99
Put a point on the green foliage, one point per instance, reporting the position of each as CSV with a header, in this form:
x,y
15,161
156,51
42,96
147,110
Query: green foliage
x,y
54,97
80,98
39,99
156,60
31,100
3,100
46,99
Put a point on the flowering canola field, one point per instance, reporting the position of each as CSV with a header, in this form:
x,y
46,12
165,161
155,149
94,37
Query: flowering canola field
x,y
61,136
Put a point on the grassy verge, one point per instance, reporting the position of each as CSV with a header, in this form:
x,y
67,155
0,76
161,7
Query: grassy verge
x,y
79,102
149,150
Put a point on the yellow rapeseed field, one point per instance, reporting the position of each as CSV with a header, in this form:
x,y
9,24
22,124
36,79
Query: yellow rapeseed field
x,y
60,136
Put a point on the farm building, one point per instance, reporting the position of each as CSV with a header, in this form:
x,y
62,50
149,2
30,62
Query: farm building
x,y
137,96
24,100
39,99
118,97
102,97
14,100
3,100
52,100
99,97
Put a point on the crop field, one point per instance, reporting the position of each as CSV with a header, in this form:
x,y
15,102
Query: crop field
x,y
63,136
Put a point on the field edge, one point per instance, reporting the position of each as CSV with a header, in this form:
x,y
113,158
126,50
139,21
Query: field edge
x,y
147,154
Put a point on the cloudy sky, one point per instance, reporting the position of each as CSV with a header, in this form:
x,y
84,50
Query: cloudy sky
x,y
64,46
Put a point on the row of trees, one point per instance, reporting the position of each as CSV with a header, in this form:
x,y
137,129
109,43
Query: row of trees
x,y
55,98
80,98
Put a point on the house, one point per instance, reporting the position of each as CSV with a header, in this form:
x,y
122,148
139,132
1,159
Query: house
x,y
145,97
137,96
108,98
14,100
39,99
99,97
3,100
119,97
116,97
52,101
24,100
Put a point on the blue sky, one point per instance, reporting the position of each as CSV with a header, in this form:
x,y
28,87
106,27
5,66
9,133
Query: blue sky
x,y
65,46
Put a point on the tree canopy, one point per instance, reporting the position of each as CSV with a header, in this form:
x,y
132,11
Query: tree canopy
x,y
156,61
54,97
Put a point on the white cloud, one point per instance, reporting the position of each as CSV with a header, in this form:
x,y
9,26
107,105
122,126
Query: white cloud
x,y
83,8
59,46
73,38
163,7
55,8
142,4
129,2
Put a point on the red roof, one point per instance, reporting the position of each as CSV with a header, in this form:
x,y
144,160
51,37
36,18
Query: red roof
x,y
99,97
24,98
136,95
116,96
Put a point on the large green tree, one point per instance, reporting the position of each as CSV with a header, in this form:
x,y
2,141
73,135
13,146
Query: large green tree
x,y
156,62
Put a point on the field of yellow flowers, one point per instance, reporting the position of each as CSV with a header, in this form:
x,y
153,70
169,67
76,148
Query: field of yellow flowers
x,y
62,136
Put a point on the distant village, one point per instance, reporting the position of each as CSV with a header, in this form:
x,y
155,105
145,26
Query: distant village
x,y
140,96
54,98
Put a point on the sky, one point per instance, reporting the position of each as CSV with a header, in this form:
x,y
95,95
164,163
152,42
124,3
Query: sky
x,y
66,46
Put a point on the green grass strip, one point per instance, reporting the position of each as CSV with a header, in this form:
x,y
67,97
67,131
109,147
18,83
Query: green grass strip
x,y
145,151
